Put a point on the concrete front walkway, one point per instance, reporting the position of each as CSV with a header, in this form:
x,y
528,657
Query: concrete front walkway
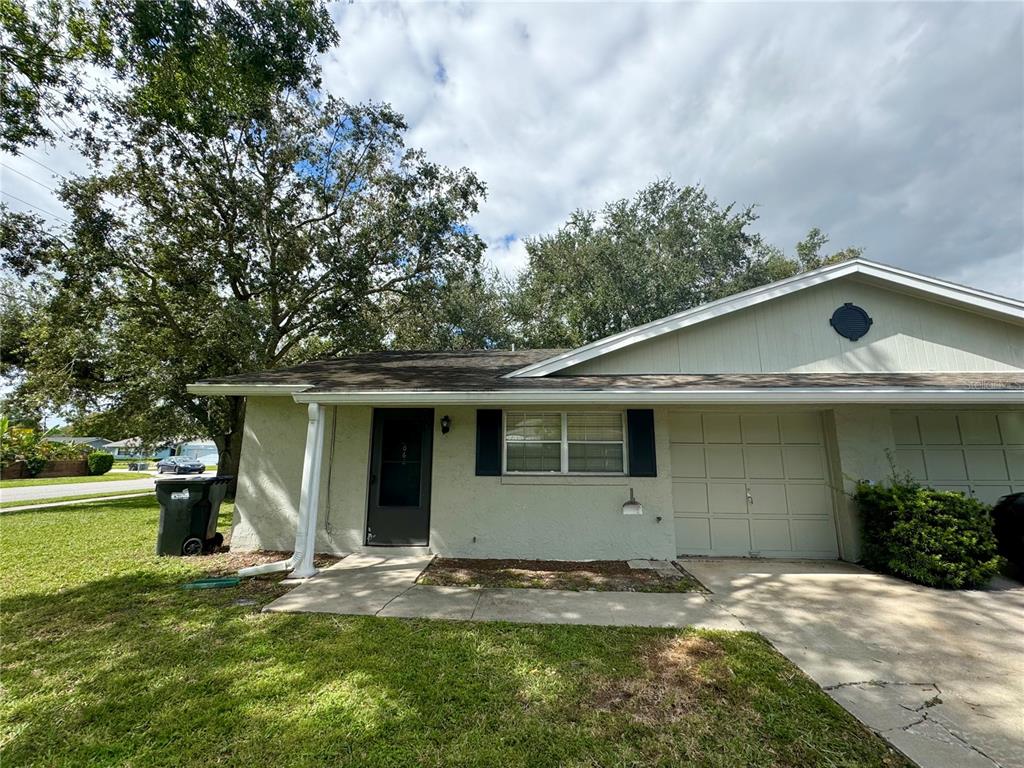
x,y
384,586
939,674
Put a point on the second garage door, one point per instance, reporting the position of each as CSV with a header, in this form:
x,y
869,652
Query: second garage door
x,y
751,484
980,453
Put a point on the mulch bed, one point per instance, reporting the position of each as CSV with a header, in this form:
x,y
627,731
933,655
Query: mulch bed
x,y
594,575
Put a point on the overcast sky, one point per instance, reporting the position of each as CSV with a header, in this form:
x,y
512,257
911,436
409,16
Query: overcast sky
x,y
898,128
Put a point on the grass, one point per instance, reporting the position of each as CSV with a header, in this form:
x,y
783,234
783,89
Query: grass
x,y
106,661
595,575
30,481
12,505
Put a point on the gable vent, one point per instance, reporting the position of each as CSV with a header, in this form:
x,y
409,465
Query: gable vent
x,y
850,321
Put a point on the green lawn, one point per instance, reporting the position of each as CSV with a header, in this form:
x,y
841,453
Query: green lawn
x,y
107,662
21,483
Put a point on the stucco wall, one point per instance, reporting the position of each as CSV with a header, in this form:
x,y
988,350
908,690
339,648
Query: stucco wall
x,y
861,443
557,518
343,490
565,518
532,517
269,474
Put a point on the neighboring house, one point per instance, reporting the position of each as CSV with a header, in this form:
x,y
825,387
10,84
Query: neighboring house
x,y
96,443
740,426
134,448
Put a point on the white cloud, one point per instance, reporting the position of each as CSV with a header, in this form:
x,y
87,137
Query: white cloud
x,y
899,128
896,127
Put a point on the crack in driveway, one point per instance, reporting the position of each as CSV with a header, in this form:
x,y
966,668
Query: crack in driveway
x,y
926,726
858,635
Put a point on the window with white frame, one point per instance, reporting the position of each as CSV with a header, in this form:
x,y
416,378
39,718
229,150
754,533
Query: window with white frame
x,y
565,442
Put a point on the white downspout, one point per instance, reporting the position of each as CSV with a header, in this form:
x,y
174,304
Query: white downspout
x,y
301,561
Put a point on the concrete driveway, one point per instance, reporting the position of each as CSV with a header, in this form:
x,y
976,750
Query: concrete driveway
x,y
939,674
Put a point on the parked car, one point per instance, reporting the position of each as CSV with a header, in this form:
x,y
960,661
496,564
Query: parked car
x,y
1008,514
179,465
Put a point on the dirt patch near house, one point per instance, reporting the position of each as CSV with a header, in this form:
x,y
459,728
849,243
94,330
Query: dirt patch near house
x,y
224,562
677,670
260,590
596,575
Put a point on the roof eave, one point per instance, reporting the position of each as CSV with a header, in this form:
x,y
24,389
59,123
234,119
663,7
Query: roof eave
x,y
738,396
261,390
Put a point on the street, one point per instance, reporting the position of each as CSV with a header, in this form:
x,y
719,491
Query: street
x,y
56,491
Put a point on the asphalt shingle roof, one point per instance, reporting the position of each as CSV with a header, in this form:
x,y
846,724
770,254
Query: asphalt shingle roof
x,y
482,371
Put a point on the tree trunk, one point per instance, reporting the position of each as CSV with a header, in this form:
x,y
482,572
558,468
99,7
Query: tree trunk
x,y
229,444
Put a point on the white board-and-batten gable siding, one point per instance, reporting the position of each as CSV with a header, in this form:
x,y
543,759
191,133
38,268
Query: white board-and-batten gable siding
x,y
791,334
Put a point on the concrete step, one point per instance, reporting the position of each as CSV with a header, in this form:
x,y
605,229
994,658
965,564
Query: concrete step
x,y
394,551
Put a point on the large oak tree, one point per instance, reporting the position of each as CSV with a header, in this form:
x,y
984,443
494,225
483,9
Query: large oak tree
x,y
304,235
666,249
235,219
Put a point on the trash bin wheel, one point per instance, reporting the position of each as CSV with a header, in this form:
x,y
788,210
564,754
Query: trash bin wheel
x,y
192,546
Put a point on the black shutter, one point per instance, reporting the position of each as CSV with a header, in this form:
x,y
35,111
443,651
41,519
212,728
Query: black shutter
x,y
640,427
488,442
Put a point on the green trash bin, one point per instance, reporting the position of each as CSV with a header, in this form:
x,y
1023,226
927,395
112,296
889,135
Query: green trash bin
x,y
188,514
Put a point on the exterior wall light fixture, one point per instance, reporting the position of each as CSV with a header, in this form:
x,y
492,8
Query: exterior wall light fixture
x,y
446,424
632,507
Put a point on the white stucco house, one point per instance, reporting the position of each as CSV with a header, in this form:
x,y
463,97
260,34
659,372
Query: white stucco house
x,y
739,426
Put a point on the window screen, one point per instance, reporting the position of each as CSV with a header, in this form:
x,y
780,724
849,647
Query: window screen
x,y
564,442
533,442
595,442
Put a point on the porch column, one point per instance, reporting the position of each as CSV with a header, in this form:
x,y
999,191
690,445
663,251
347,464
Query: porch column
x,y
309,495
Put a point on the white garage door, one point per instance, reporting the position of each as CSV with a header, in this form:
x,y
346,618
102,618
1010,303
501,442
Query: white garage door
x,y
751,484
977,452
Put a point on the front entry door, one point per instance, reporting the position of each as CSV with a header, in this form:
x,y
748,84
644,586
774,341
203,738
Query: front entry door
x,y
398,513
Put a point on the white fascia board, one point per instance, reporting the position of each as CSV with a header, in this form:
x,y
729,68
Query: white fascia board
x,y
261,390
1003,307
748,396
970,298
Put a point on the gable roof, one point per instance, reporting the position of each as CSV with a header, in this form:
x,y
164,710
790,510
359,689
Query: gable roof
x,y
999,307
465,370
481,376
538,376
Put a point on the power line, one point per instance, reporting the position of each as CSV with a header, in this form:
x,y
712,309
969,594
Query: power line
x,y
43,165
32,205
35,181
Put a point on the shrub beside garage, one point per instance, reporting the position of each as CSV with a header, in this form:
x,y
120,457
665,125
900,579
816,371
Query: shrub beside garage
x,y
935,538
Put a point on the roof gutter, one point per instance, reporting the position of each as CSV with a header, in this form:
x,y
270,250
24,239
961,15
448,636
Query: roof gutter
x,y
745,396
